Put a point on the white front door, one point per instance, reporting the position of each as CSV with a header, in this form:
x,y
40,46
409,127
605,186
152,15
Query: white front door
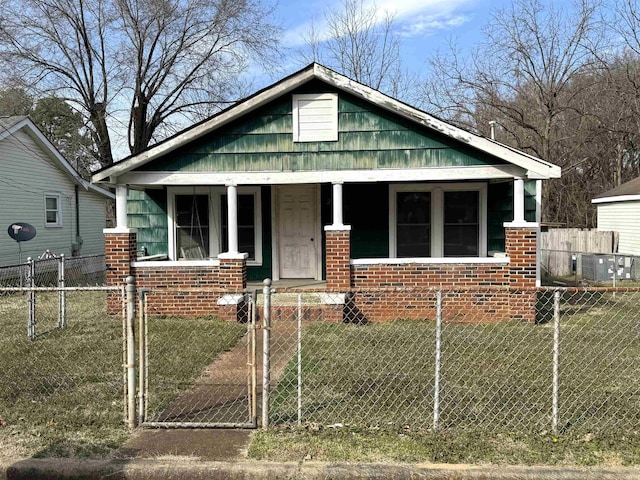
x,y
297,242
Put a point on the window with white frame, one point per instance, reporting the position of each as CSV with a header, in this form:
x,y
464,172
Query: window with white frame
x,y
52,210
437,220
199,223
315,117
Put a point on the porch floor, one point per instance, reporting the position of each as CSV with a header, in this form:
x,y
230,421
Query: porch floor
x,y
297,283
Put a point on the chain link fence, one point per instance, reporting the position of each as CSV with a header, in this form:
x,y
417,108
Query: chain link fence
x,y
55,271
61,381
422,365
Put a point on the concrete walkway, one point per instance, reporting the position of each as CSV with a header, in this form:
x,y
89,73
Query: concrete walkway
x,y
218,395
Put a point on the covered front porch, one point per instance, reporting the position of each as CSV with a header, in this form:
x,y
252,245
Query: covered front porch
x,y
281,230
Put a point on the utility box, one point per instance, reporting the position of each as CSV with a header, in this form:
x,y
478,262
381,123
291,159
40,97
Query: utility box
x,y
602,267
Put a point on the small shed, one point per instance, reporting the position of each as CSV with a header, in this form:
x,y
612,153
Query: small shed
x,y
619,210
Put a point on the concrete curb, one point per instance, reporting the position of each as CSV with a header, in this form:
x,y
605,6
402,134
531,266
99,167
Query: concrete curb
x,y
72,469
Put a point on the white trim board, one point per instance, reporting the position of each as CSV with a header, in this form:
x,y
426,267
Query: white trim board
x,y
326,176
432,260
619,198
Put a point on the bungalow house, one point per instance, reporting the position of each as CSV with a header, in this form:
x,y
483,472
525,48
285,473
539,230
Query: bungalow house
x,y
320,177
38,186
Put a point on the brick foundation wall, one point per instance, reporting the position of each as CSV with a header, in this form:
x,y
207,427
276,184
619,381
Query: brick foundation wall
x,y
338,256
471,292
180,290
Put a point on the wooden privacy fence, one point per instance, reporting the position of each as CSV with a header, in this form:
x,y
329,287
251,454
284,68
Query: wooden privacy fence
x,y
559,245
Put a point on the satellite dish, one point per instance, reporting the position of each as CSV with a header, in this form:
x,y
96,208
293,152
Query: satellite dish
x,y
21,232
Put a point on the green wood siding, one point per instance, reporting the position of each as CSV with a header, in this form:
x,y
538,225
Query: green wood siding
x,y
499,210
147,211
369,138
366,209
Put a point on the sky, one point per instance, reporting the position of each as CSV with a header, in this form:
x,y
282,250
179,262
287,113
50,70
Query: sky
x,y
424,25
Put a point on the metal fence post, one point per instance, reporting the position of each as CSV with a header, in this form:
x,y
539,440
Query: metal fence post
x,y
142,361
266,353
131,352
31,282
299,359
254,359
438,358
62,294
556,363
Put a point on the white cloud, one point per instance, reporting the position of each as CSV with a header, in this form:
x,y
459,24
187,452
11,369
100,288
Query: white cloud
x,y
413,17
424,25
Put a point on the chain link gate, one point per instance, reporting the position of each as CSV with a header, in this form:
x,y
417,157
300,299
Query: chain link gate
x,y
197,372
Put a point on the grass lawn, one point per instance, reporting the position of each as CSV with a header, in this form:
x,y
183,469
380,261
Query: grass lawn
x,y
62,394
368,391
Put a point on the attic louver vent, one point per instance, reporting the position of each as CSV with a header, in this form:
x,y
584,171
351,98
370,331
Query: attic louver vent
x,y
315,117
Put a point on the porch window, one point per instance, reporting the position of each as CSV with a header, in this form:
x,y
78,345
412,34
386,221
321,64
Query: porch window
x,y
437,220
198,223
414,224
192,226
461,224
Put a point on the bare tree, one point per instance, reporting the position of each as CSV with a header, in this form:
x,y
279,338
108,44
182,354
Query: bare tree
x,y
360,41
155,55
524,77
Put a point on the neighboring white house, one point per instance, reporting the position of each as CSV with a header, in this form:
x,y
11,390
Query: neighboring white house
x,y
619,210
39,187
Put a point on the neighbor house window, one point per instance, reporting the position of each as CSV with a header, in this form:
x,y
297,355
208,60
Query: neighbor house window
x,y
437,220
199,223
315,117
52,210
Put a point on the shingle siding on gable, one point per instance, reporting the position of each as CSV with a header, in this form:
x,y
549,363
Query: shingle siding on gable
x,y
369,138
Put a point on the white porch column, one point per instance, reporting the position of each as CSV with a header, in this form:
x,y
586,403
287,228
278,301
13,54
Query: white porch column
x,y
232,216
337,204
121,206
518,200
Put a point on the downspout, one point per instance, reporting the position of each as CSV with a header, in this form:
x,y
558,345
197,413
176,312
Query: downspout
x,y
75,247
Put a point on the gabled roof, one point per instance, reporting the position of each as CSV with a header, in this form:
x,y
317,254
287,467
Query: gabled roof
x,y
625,192
10,125
535,167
